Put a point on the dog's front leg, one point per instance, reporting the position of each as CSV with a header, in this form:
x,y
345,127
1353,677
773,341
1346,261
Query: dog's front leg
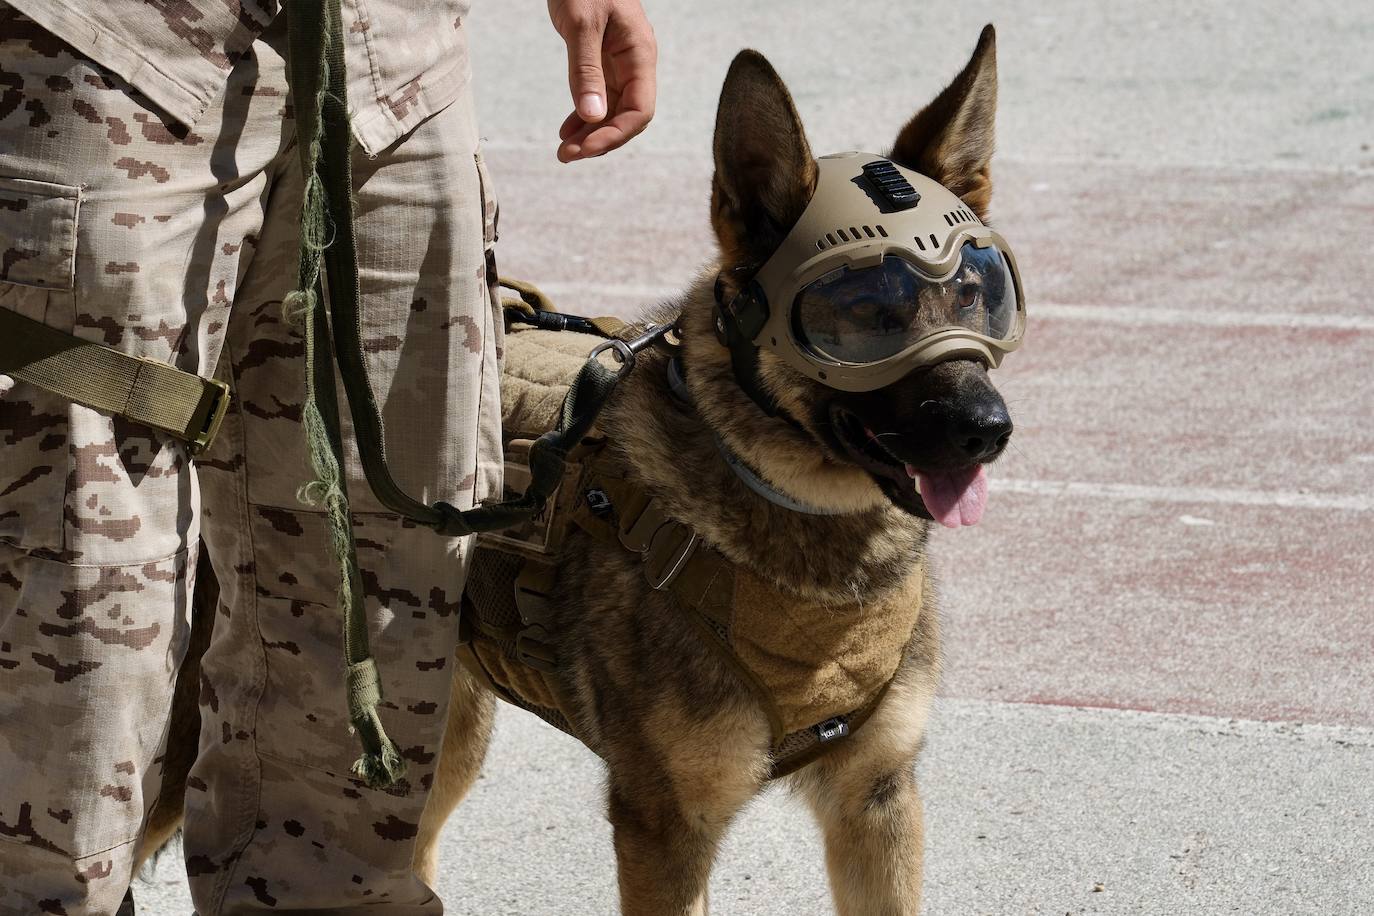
x,y
664,858
866,800
873,845
672,800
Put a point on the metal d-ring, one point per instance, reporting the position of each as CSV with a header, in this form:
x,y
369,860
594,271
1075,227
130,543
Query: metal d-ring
x,y
622,353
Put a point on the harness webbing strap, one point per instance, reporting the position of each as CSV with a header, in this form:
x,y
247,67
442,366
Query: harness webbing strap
x,y
150,393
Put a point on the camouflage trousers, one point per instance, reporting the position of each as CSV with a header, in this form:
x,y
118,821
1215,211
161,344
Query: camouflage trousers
x,y
122,226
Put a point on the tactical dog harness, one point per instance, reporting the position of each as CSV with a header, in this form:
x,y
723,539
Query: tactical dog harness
x,y
817,671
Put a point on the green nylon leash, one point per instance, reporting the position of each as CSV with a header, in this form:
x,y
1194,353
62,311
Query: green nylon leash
x,y
318,86
316,70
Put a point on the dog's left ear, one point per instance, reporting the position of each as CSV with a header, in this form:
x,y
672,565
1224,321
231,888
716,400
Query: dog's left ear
x,y
951,139
765,174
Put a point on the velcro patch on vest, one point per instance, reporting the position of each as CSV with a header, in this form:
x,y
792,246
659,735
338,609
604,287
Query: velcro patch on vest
x,y
598,502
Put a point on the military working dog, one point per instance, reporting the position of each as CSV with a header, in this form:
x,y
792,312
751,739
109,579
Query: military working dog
x,y
686,743
836,599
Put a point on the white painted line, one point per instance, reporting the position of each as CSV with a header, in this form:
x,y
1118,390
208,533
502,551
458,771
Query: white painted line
x,y
1187,723
1200,316
1184,495
1132,315
701,154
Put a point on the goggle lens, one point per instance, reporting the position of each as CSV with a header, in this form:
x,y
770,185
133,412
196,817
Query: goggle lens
x,y
870,314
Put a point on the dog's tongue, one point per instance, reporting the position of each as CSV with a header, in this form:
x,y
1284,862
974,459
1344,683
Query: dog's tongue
x,y
953,498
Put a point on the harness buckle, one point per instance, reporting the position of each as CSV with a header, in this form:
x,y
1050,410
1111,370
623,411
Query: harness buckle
x,y
535,652
671,546
624,350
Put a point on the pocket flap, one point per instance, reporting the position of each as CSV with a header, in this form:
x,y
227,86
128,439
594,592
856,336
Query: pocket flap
x,y
38,232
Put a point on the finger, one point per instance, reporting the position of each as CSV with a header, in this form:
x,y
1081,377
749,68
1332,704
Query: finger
x,y
633,113
576,129
632,67
570,150
585,78
580,134
612,134
571,125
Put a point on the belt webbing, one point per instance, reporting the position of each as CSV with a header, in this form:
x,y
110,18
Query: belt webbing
x,y
181,404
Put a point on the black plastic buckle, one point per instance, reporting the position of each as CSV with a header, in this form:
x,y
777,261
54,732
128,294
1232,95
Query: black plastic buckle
x,y
535,652
832,729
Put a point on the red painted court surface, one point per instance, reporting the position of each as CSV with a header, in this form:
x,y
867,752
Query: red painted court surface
x,y
1186,520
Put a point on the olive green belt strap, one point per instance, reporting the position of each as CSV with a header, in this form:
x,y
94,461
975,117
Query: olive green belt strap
x,y
148,392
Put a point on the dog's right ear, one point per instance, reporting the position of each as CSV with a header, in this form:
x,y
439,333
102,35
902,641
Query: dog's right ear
x,y
765,174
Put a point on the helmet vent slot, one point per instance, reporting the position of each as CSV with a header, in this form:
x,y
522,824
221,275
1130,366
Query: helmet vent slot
x,y
851,234
956,217
920,244
934,242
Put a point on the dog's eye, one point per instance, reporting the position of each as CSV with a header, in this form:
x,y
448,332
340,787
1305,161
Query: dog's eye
x,y
966,296
860,309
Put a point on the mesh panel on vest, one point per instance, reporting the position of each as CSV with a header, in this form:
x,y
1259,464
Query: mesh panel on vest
x,y
801,740
718,628
491,586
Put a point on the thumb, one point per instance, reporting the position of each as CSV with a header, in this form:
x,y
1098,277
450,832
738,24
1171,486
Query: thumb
x,y
585,79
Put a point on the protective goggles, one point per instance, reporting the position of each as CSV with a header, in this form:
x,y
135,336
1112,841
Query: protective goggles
x,y
886,271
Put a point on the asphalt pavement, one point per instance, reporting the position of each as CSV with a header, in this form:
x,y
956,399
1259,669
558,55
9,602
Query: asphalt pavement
x,y
1159,695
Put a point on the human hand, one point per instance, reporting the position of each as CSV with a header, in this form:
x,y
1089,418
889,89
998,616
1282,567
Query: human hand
x,y
612,57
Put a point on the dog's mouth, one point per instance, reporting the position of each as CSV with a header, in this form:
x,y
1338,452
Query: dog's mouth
x,y
953,498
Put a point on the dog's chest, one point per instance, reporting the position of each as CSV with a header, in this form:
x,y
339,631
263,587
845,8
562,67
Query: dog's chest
x,y
818,661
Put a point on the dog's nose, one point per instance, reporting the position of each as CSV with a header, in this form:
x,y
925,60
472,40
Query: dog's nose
x,y
980,431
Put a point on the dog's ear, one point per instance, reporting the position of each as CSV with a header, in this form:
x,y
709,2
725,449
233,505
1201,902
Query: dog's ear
x,y
765,174
951,139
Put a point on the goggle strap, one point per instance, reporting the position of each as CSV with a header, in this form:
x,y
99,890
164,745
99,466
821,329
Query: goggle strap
x,y
744,356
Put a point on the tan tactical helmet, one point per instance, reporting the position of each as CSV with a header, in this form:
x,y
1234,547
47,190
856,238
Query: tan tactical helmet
x,y
885,271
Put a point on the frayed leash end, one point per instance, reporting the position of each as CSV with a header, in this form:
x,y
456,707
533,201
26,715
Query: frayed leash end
x,y
381,764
